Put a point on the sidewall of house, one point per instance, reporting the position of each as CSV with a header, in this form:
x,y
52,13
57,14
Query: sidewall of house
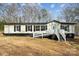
x,y
8,28
23,28
11,29
77,29
72,28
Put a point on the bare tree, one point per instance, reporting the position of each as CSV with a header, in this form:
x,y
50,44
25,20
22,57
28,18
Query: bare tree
x,y
24,13
70,12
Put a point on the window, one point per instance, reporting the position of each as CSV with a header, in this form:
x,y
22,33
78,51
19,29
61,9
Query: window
x,y
29,28
36,28
40,28
65,27
17,28
43,28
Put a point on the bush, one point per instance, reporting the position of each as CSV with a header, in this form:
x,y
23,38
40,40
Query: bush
x,y
2,25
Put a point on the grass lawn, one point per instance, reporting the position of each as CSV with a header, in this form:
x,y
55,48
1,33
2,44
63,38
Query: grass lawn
x,y
28,46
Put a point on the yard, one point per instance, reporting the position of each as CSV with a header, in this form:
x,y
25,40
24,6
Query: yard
x,y
28,46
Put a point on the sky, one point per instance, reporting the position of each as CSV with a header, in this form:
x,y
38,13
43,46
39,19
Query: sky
x,y
55,8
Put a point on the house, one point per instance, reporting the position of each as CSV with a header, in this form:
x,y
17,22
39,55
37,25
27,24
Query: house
x,y
64,29
77,29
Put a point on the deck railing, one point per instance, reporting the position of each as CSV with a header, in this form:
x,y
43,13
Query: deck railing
x,y
46,33
42,34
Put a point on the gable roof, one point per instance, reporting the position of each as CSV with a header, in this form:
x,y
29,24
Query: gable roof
x,y
62,22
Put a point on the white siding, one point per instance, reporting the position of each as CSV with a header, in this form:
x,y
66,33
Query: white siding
x,y
6,28
49,26
11,28
23,29
56,25
32,28
53,25
72,28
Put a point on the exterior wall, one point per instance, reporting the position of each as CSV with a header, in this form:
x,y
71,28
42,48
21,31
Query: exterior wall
x,y
77,29
32,28
23,28
8,28
50,26
53,25
11,28
56,25
72,28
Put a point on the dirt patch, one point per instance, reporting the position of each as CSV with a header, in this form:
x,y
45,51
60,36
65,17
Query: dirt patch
x,y
27,46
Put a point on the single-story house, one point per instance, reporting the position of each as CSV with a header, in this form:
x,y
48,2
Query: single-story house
x,y
41,29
